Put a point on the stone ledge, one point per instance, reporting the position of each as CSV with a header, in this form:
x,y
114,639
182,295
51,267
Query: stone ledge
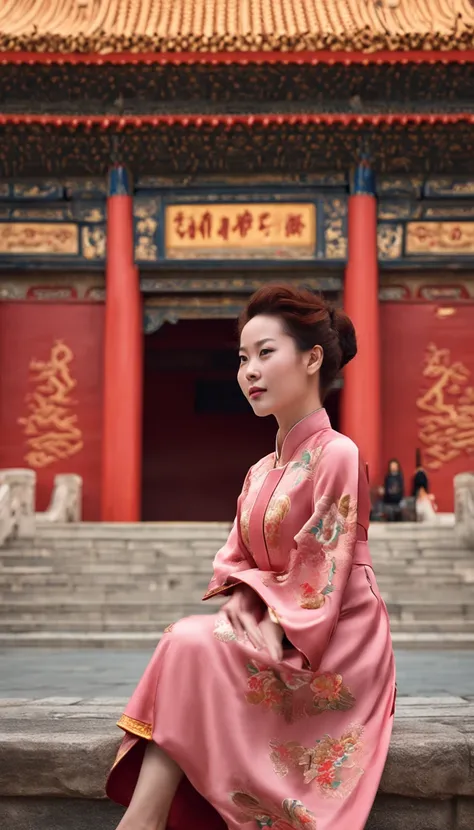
x,y
129,640
55,754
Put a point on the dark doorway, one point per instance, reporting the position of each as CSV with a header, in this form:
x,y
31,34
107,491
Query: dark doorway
x,y
200,435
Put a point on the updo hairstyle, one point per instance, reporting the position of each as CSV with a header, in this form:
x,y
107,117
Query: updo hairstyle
x,y
310,321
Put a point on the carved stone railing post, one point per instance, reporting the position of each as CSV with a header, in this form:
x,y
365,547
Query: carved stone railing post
x,y
17,490
66,500
6,513
464,507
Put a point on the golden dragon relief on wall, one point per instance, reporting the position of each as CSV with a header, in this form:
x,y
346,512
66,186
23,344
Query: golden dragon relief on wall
x,y
51,426
446,427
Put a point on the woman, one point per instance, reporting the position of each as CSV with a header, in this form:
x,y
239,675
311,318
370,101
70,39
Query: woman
x,y
425,503
276,711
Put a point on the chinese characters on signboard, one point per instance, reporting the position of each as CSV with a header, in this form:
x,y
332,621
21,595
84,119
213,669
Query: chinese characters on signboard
x,y
440,238
38,238
241,231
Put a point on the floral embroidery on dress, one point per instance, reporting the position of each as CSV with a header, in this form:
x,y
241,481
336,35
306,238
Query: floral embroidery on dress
x,y
276,512
332,763
223,630
292,815
244,527
296,694
330,693
311,597
305,467
333,527
333,522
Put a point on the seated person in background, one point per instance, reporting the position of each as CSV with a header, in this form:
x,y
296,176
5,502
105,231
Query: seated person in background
x,y
393,490
425,501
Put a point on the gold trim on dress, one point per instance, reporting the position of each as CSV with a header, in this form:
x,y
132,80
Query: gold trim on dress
x,y
215,591
273,615
136,727
120,756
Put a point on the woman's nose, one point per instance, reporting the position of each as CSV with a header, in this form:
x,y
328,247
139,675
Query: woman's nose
x,y
251,372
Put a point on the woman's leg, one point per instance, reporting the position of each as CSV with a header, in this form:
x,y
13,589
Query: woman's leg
x,y
156,786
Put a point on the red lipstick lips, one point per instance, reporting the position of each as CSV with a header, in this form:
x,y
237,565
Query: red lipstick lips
x,y
255,391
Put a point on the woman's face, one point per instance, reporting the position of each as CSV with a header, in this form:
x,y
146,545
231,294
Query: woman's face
x,y
274,376
394,467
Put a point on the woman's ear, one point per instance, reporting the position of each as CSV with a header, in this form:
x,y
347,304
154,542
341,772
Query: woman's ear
x,y
315,361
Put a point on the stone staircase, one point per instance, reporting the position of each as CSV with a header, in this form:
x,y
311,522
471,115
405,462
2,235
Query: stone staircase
x,y
99,584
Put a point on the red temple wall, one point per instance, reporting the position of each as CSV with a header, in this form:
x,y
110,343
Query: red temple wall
x,y
407,331
28,331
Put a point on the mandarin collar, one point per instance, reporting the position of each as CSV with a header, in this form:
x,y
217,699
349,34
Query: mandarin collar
x,y
300,432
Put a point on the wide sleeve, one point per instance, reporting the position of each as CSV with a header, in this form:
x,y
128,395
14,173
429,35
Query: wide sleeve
x,y
233,555
306,598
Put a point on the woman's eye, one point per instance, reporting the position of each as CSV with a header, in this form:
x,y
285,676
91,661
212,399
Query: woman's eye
x,y
242,358
266,351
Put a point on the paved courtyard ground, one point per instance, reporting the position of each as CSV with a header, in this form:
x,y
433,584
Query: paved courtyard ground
x,y
32,673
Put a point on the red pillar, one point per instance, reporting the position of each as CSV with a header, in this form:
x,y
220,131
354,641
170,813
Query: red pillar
x,y
361,400
122,426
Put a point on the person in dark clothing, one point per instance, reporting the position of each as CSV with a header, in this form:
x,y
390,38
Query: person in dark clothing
x,y
393,491
394,486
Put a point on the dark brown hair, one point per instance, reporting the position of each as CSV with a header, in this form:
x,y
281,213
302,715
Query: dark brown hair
x,y
310,321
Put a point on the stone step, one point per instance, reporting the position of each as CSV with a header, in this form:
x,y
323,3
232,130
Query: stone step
x,y
445,587
429,610
138,609
145,609
399,534
128,552
136,532
139,640
156,593
93,574
97,560
158,623
434,625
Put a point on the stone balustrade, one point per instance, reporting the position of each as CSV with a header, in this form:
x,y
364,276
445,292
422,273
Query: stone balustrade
x,y
464,507
66,501
55,754
18,518
17,496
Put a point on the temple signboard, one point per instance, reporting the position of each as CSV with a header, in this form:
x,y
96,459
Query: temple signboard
x,y
440,238
246,230
38,238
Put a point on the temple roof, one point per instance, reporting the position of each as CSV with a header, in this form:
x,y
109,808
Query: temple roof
x,y
102,26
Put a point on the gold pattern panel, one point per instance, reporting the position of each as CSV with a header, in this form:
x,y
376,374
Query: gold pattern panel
x,y
51,427
390,241
241,231
38,238
440,238
334,228
93,242
446,427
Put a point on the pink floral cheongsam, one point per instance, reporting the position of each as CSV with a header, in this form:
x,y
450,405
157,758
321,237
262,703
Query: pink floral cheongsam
x,y
295,745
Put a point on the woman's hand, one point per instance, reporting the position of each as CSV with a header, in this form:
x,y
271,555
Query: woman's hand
x,y
273,635
244,610
248,615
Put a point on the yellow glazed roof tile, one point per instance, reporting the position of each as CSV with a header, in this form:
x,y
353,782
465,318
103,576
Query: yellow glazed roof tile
x,y
103,26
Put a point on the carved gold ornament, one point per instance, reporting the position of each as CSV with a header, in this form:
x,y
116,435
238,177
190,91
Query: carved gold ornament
x,y
51,427
446,427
